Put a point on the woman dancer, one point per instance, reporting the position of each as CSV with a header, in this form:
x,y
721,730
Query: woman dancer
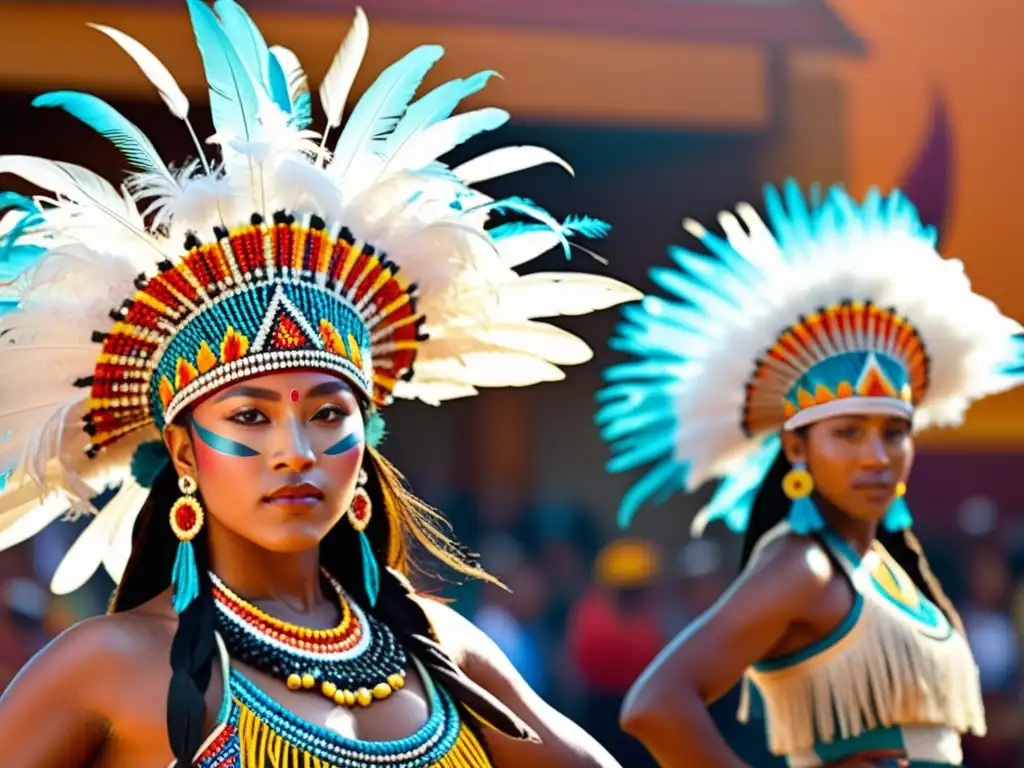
x,y
234,395
796,369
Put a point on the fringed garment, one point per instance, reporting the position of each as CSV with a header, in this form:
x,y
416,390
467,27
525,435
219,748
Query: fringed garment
x,y
893,677
253,731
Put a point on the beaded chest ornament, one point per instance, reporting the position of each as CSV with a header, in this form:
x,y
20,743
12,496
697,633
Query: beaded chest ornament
x,y
359,253
355,662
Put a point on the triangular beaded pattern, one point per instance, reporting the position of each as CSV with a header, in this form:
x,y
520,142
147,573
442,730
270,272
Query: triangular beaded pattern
x,y
216,316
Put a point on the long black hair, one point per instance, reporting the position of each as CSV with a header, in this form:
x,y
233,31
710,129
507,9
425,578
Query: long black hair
x,y
771,506
398,517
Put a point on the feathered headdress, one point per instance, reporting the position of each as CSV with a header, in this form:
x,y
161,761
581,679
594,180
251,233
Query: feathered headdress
x,y
360,256
839,307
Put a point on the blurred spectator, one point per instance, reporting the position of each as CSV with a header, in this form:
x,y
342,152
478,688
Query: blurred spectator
x,y
613,633
512,618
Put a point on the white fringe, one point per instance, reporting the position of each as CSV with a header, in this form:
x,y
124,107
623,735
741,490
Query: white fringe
x,y
880,674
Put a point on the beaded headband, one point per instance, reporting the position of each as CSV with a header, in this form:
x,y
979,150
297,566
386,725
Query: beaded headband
x,y
852,357
840,307
259,298
358,253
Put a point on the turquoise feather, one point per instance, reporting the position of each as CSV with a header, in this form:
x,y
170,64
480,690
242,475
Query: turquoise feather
x,y
378,112
279,86
233,98
108,122
247,40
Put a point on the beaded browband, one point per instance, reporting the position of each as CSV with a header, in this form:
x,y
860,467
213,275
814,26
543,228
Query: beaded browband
x,y
260,298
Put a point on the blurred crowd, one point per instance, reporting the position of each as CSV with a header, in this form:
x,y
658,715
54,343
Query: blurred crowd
x,y
583,615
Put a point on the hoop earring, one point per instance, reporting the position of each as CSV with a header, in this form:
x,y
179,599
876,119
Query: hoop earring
x,y
359,513
798,485
187,518
898,517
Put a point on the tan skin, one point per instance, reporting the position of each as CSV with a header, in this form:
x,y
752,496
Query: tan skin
x,y
96,696
787,597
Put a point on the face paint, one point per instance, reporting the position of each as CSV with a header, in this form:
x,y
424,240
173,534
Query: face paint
x,y
347,443
294,395
222,444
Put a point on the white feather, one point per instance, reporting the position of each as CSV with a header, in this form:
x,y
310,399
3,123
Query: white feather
x,y
337,83
505,160
153,69
294,74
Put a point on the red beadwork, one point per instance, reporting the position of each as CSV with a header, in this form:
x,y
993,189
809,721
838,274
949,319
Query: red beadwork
x,y
360,507
185,517
342,638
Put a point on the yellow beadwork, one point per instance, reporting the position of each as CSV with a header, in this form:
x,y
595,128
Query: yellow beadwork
x,y
275,623
262,747
329,689
381,691
364,697
294,682
396,681
308,681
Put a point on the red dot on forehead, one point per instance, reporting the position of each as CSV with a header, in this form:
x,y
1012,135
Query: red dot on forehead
x,y
294,395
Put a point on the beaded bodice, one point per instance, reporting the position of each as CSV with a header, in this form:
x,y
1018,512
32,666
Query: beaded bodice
x,y
254,731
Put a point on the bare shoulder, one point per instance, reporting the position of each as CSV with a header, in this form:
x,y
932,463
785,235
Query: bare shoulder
x,y
96,649
796,567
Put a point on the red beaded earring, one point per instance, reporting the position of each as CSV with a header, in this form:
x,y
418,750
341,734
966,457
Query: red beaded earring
x,y
186,521
359,513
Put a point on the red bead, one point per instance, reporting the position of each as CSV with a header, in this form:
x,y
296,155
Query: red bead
x,y
359,504
185,517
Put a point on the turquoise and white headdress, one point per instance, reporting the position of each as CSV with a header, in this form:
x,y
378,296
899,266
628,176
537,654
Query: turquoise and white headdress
x,y
836,307
361,254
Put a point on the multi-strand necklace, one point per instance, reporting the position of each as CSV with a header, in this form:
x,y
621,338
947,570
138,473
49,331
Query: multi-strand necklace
x,y
356,662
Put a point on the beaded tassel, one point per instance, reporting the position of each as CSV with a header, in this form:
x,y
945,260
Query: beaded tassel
x,y
186,521
897,517
371,571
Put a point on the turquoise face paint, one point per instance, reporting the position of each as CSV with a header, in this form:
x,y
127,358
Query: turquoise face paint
x,y
347,443
223,444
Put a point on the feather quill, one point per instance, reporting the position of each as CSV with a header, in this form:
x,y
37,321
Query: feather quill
x,y
108,122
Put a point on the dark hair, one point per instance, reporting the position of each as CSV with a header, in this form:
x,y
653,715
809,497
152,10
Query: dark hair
x,y
771,506
398,515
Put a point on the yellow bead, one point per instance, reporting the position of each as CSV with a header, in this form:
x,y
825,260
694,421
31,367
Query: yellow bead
x,y
364,697
396,681
340,698
294,682
349,698
381,691
329,689
308,681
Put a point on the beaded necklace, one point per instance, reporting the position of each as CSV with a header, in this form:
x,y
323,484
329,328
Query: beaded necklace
x,y
355,662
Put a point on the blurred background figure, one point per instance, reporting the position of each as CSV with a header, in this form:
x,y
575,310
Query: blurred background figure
x,y
613,632
662,108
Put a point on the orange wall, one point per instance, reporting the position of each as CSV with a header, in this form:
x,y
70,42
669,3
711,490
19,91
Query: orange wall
x,y
973,51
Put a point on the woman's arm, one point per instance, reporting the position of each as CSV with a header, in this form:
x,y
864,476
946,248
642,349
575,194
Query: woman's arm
x,y
563,743
666,709
47,714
